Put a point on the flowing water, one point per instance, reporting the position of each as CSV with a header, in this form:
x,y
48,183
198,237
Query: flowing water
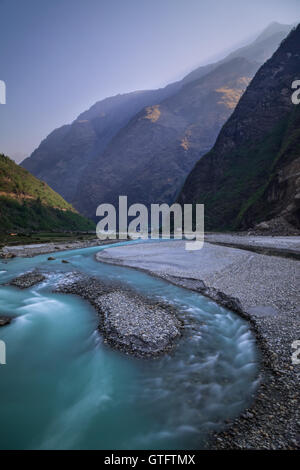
x,y
63,388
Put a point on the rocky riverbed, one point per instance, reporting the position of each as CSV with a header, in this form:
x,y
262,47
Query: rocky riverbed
x,y
128,321
264,290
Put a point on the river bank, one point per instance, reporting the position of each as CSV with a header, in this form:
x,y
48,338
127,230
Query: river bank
x,y
263,289
28,251
285,247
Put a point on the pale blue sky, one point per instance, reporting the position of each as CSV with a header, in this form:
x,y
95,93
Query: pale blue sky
x,y
58,57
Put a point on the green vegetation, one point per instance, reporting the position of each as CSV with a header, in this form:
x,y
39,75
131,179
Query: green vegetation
x,y
282,143
250,169
27,203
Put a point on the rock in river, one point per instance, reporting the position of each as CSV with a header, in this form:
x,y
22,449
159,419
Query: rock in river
x,y
27,280
5,320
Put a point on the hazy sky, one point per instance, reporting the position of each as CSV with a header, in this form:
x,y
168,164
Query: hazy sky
x,y
58,57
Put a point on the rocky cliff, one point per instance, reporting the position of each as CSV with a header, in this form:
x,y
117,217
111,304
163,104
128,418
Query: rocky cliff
x,y
252,173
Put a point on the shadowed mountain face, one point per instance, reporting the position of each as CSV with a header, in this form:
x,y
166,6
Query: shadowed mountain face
x,y
149,159
61,159
147,141
252,172
29,204
280,195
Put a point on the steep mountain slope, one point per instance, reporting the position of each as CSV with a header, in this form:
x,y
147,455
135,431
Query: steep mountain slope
x,y
67,157
279,197
149,159
252,172
27,203
62,157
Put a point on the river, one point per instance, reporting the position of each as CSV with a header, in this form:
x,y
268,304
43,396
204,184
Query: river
x,y
64,388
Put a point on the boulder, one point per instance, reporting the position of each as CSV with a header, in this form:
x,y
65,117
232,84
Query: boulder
x,y
4,320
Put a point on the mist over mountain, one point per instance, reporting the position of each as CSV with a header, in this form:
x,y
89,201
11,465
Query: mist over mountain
x,y
144,143
252,173
259,50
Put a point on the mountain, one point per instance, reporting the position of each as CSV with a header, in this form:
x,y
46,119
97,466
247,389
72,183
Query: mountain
x,y
149,158
62,157
251,175
73,157
29,204
275,28
279,197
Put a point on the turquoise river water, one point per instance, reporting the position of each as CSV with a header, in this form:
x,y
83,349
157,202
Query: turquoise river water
x,y
63,388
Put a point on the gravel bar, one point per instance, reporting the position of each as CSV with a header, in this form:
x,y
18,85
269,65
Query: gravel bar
x,y
27,280
128,321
